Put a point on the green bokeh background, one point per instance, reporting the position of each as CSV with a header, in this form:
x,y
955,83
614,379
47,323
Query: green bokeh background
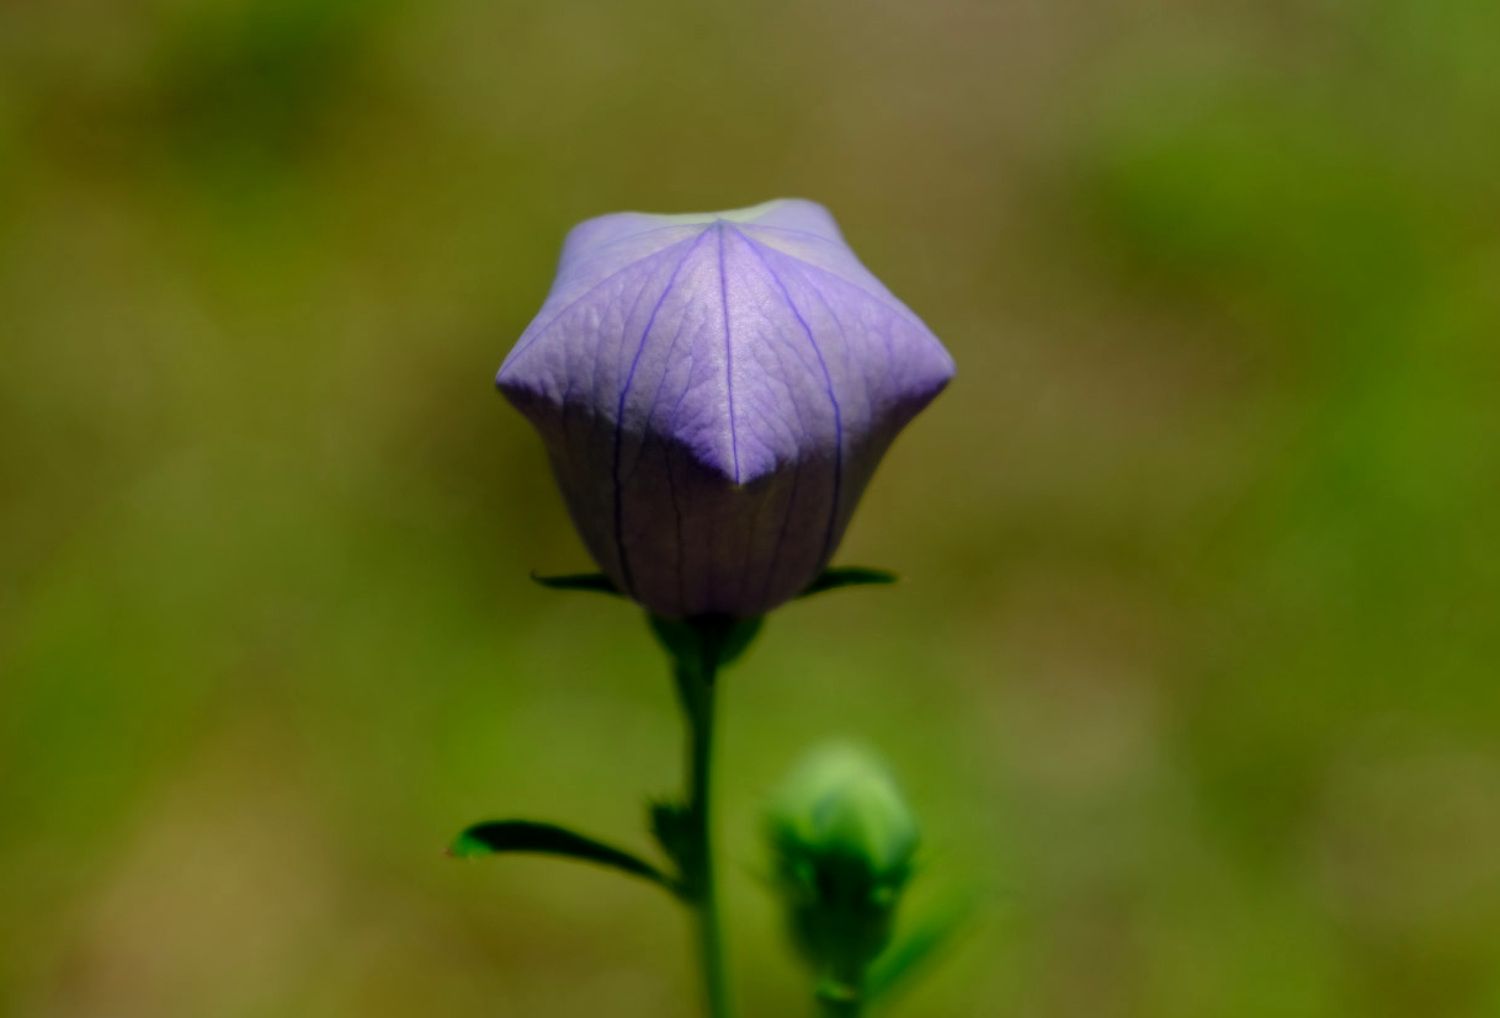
x,y
1195,674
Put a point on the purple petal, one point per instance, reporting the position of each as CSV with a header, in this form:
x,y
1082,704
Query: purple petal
x,y
715,391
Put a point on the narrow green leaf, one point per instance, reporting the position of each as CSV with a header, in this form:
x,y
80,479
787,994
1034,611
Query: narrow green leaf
x,y
498,836
918,948
847,576
598,583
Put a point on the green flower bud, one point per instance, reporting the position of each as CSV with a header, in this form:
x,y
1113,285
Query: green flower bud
x,y
842,839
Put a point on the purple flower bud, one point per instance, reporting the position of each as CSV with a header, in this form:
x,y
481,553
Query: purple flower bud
x,y
715,391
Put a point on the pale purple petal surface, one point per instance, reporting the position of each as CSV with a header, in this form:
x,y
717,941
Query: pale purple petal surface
x,y
714,392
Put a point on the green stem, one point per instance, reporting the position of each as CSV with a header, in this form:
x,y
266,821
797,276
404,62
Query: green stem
x,y
700,647
699,695
842,998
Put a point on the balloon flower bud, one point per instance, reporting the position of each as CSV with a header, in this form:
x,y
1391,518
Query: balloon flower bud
x,y
842,838
714,392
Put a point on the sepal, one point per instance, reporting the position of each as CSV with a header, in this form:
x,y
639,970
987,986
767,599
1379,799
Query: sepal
x,y
596,583
706,643
848,576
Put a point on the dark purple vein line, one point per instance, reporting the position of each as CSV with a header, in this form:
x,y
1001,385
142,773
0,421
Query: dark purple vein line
x,y
838,419
635,362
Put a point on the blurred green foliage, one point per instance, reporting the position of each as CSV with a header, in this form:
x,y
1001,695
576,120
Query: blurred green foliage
x,y
1194,667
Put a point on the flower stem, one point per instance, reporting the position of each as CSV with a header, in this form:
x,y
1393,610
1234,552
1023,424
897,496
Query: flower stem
x,y
698,687
699,647
830,1008
842,997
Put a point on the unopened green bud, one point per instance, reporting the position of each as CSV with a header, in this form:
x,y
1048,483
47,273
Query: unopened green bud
x,y
843,840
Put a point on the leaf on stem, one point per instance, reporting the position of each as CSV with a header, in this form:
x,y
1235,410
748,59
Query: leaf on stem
x,y
918,948
848,576
500,836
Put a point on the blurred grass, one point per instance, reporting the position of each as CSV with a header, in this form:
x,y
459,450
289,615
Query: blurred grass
x,y
1194,668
